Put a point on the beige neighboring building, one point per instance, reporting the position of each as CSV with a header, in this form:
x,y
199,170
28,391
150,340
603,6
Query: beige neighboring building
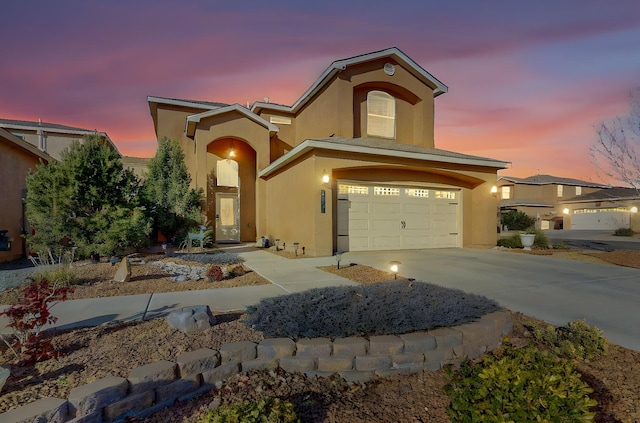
x,y
605,209
17,157
52,138
542,196
350,166
139,165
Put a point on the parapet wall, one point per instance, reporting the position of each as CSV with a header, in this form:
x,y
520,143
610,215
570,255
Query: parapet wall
x,y
157,385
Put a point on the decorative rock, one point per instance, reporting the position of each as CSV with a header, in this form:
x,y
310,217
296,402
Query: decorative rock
x,y
191,319
123,274
5,372
42,410
86,399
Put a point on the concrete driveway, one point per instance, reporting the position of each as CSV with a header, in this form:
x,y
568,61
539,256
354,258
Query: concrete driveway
x,y
555,290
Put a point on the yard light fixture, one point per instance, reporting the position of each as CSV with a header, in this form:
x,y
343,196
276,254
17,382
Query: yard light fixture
x,y
394,268
338,258
565,210
634,209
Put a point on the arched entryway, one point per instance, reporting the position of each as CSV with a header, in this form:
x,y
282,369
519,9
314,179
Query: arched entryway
x,y
231,189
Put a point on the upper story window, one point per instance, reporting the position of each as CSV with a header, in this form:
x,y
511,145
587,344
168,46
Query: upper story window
x,y
578,190
560,188
381,114
506,192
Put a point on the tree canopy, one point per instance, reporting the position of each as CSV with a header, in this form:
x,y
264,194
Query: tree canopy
x,y
86,200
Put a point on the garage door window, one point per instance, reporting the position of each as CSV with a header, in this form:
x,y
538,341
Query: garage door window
x,y
450,195
389,191
353,189
414,192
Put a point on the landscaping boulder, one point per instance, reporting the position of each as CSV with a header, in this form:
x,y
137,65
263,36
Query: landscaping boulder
x,y
123,274
191,319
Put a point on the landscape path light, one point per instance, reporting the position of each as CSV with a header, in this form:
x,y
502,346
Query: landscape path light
x,y
394,268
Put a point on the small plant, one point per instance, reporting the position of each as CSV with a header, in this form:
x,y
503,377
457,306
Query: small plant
x,y
215,273
522,385
623,232
540,242
516,220
265,410
513,241
576,340
27,317
378,309
59,275
560,246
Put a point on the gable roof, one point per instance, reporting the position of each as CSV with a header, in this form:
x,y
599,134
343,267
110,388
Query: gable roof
x,y
379,147
550,180
340,65
193,120
26,125
206,105
607,194
22,144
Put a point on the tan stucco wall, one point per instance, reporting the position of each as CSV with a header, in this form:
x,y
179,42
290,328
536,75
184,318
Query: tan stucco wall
x,y
293,200
14,165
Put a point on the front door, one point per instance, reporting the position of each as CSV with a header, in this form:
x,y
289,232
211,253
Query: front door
x,y
227,217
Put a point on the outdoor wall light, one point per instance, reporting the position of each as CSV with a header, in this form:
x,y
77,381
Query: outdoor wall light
x,y
494,190
5,241
325,177
232,152
394,268
634,209
565,210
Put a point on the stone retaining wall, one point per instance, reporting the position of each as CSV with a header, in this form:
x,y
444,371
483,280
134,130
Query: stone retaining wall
x,y
157,385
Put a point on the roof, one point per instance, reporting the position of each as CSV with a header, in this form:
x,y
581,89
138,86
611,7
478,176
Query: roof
x,y
26,125
379,147
340,65
193,120
524,203
208,105
607,194
551,180
9,137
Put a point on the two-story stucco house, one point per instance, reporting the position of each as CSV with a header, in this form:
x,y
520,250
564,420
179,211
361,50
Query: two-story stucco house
x,y
351,165
542,196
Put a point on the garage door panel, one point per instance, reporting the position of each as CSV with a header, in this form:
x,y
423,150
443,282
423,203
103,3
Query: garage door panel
x,y
600,220
396,218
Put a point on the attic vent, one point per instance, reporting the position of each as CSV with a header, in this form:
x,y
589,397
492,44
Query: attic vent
x,y
389,69
280,120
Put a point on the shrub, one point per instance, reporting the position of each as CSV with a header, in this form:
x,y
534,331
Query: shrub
x,y
377,309
265,410
540,241
516,220
522,385
576,340
215,273
26,319
58,275
623,232
513,241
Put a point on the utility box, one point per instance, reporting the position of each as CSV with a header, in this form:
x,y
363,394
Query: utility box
x,y
5,241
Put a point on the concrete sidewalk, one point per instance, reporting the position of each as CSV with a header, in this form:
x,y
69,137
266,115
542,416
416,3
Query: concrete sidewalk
x,y
286,276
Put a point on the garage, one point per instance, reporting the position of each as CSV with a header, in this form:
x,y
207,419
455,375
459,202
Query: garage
x,y
390,217
607,218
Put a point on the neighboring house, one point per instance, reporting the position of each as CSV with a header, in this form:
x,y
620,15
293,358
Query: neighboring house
x,y
52,138
138,165
541,196
350,166
17,157
609,208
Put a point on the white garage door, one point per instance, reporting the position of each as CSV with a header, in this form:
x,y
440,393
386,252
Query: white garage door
x,y
382,217
610,218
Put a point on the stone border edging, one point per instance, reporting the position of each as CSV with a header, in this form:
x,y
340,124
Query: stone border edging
x,y
154,386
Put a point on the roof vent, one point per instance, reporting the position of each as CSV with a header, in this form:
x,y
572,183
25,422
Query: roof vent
x,y
389,69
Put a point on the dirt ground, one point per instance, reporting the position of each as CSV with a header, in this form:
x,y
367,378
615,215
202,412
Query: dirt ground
x,y
92,353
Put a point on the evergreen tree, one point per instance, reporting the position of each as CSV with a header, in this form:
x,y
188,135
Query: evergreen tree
x,y
86,200
172,205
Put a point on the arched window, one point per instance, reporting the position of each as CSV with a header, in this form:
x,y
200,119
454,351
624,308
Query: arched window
x,y
381,114
227,173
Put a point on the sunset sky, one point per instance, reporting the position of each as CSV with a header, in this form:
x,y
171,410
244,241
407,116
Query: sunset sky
x,y
528,81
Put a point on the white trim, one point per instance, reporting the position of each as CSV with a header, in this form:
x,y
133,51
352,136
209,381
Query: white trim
x,y
341,65
181,103
193,120
309,145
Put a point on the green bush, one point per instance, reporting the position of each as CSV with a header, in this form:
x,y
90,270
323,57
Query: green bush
x,y
513,241
378,309
523,385
623,232
576,340
516,220
560,246
540,242
269,410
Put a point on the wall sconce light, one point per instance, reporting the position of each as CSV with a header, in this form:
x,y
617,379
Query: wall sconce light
x,y
494,190
565,210
5,241
633,209
325,177
394,268
232,153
